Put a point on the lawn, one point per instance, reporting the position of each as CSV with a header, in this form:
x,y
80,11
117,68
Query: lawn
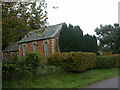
x,y
58,79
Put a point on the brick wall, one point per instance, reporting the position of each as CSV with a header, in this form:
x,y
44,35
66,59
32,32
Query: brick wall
x,y
57,42
8,55
53,45
39,47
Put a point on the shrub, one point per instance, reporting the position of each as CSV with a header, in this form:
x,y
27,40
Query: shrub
x,y
32,61
23,64
55,59
10,66
118,60
43,59
73,61
107,53
106,62
118,63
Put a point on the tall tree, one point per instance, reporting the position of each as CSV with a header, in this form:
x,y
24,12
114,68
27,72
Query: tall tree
x,y
108,36
90,43
20,18
71,38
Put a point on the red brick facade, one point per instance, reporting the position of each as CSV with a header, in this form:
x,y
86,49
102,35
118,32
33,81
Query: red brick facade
x,y
52,45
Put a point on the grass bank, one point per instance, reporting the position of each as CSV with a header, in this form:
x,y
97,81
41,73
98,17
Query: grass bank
x,y
59,79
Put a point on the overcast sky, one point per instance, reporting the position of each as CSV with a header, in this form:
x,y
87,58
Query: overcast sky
x,y
88,14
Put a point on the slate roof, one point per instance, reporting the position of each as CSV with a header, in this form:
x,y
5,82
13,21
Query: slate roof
x,y
11,47
49,32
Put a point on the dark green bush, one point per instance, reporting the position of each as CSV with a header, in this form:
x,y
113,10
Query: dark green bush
x,y
118,60
22,64
73,61
106,62
8,67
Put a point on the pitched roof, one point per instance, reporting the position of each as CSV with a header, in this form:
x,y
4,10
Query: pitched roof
x,y
49,32
11,47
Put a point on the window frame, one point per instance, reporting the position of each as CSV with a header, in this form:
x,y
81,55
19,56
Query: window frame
x,y
24,46
34,46
46,50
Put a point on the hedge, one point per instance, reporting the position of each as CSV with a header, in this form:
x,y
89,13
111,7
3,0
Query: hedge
x,y
106,62
118,60
73,61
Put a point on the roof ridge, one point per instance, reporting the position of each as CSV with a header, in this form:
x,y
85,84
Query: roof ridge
x,y
49,26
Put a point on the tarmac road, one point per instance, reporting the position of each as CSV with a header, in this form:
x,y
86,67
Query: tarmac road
x,y
108,83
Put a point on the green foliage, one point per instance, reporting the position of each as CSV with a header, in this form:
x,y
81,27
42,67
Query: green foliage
x,y
55,59
59,79
15,57
73,61
32,61
6,66
106,62
90,43
109,37
107,53
15,65
53,69
18,18
118,60
72,39
22,64
9,67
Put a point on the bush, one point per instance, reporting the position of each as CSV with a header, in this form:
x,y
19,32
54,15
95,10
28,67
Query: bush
x,y
106,62
32,61
73,61
118,60
10,66
55,59
16,64
118,63
107,53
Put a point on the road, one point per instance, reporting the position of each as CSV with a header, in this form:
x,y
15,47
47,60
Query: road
x,y
108,83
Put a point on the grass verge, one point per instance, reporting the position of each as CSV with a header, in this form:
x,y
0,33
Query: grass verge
x,y
59,79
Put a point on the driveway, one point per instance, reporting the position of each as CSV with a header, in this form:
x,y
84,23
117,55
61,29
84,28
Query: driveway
x,y
108,83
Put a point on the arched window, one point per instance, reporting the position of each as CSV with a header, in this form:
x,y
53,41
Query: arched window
x,y
24,49
34,46
46,48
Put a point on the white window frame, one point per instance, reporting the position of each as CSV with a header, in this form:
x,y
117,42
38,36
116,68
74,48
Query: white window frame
x,y
24,46
34,46
46,53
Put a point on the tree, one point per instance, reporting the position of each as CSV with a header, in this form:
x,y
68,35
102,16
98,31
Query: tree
x,y
71,38
116,48
20,18
62,38
108,36
90,43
